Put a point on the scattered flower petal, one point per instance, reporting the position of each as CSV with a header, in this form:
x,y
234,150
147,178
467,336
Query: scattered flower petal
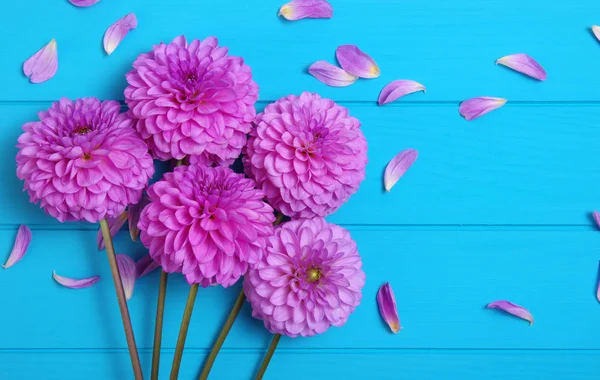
x,y
299,9
511,308
524,64
42,65
75,283
354,61
596,31
145,265
398,89
473,108
117,31
387,307
20,248
596,216
398,166
83,3
115,224
133,216
598,289
331,75
128,271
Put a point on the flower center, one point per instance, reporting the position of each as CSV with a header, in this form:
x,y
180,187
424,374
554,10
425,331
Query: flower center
x,y
82,129
313,275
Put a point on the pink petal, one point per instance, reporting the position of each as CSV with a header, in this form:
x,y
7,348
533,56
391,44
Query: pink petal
x,y
299,9
128,272
42,65
357,63
476,107
387,307
598,288
523,64
21,243
83,3
511,308
117,31
398,166
331,75
596,31
133,216
74,283
398,89
145,265
596,216
115,224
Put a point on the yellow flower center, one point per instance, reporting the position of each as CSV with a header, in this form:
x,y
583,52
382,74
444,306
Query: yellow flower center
x,y
313,275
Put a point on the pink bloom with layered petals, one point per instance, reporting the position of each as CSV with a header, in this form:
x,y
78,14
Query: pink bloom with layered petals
x,y
193,98
211,224
83,160
307,154
309,279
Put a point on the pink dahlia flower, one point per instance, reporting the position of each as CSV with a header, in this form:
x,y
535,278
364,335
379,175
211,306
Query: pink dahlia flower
x,y
83,160
209,223
307,154
309,279
192,98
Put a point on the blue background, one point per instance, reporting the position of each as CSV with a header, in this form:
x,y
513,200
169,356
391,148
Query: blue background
x,y
493,209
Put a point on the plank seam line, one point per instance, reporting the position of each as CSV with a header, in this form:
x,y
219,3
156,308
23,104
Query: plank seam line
x,y
334,350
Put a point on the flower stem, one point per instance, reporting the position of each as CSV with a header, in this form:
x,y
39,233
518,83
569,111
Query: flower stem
x,y
268,356
116,275
223,335
185,324
160,311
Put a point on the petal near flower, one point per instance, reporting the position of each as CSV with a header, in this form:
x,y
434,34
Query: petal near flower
x,y
354,61
299,9
387,307
596,216
145,265
42,65
75,283
83,3
398,166
114,225
511,308
128,272
596,31
598,288
21,243
117,31
476,107
331,75
524,64
398,89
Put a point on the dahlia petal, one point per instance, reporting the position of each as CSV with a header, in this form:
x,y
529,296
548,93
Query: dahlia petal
x,y
511,308
299,9
117,31
42,65
20,247
398,166
596,31
115,225
128,271
331,75
475,107
524,64
596,216
83,3
387,307
145,265
75,283
398,89
355,62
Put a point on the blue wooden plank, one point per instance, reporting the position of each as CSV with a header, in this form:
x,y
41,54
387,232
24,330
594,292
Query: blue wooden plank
x,y
442,279
317,365
450,47
519,165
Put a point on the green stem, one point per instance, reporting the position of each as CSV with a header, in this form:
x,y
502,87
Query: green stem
x,y
268,356
116,275
223,335
160,311
185,324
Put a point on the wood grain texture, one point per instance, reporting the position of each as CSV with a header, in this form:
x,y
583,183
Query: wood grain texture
x,y
493,209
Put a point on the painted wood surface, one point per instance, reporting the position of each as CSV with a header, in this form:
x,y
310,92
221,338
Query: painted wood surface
x,y
493,209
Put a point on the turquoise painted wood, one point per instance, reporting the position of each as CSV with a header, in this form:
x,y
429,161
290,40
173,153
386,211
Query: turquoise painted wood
x,y
493,209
